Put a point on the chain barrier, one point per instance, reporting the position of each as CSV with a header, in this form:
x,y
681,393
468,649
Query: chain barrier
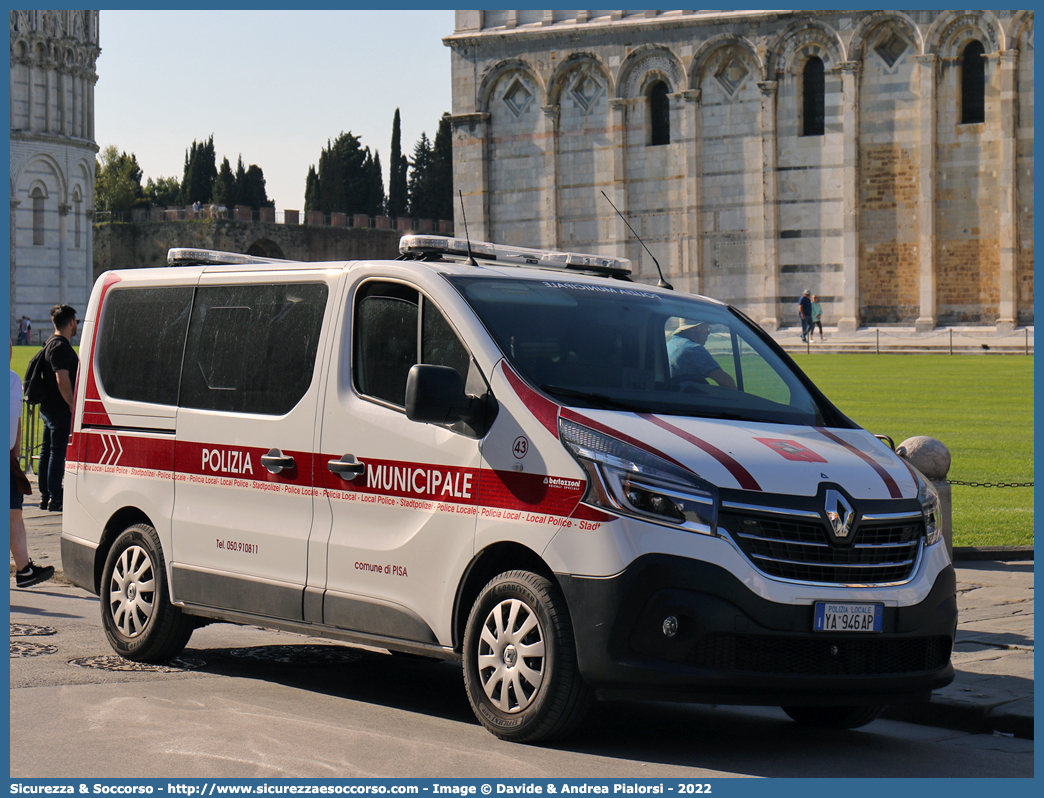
x,y
991,484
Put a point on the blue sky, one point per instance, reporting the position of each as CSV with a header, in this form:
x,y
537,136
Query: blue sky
x,y
272,86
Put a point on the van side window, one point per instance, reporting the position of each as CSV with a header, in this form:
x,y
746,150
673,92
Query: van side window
x,y
141,341
392,323
252,348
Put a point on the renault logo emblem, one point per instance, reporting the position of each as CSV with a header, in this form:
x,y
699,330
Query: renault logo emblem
x,y
840,514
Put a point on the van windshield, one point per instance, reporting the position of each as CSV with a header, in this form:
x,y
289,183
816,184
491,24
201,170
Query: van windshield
x,y
618,346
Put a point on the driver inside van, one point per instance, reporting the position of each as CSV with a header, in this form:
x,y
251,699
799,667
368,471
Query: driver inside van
x,y
690,361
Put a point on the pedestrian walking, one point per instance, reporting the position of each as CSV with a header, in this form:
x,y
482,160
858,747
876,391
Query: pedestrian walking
x,y
27,573
805,313
56,406
817,318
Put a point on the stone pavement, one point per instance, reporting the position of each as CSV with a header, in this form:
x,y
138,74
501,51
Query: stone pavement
x,y
993,691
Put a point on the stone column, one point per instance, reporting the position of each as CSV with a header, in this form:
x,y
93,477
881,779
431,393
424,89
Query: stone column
x,y
13,273
927,66
932,458
692,277
551,187
618,192
850,301
770,208
1007,169
471,176
89,257
63,264
50,100
29,95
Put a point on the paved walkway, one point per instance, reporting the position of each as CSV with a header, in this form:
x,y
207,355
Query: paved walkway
x,y
993,691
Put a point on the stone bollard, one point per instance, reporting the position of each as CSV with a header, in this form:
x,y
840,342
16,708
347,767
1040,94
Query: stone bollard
x,y
932,458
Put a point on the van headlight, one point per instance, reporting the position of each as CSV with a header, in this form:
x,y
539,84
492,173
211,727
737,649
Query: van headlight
x,y
928,496
629,481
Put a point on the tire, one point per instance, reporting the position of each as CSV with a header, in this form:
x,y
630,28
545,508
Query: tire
x,y
139,620
835,717
520,667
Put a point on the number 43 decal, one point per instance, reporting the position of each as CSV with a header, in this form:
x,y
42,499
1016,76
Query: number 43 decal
x,y
520,447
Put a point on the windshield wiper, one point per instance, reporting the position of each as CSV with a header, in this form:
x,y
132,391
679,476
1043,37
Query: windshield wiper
x,y
601,399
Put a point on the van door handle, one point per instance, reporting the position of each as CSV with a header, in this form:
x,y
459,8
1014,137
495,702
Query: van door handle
x,y
347,467
275,461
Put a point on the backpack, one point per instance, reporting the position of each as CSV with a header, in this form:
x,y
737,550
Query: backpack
x,y
35,383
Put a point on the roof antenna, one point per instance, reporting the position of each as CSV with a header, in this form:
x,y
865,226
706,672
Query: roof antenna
x,y
471,260
663,283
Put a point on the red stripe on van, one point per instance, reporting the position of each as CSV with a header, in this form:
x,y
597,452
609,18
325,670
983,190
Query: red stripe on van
x,y
544,410
893,487
742,475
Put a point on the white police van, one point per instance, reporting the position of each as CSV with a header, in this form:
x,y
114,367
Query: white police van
x,y
492,460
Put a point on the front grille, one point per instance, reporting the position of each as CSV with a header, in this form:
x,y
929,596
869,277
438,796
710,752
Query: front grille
x,y
831,656
800,548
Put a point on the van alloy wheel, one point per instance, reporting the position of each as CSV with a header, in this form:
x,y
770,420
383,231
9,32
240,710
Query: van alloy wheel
x,y
132,591
511,656
139,620
520,667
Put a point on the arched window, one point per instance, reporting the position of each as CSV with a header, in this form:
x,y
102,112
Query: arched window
x,y
813,90
659,114
38,216
973,84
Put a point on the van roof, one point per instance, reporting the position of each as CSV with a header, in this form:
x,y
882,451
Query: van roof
x,y
431,248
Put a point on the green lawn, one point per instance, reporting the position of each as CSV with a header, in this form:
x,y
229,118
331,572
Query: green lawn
x,y
980,406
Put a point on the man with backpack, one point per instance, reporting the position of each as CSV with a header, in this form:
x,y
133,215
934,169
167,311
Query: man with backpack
x,y
56,404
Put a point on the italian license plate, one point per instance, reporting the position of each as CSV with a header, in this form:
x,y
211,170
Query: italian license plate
x,y
845,617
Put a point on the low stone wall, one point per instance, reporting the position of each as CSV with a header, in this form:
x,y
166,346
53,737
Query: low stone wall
x,y
130,246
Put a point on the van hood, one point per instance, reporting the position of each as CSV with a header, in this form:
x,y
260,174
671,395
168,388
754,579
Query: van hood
x,y
768,458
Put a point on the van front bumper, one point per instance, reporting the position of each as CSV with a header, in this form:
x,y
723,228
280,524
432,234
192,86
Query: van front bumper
x,y
734,647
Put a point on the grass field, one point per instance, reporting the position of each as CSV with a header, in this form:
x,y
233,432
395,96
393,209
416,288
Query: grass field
x,y
980,406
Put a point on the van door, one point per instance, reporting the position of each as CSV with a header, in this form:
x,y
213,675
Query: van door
x,y
402,494
244,464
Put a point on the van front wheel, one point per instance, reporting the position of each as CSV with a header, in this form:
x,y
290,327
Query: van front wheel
x,y
520,666
140,622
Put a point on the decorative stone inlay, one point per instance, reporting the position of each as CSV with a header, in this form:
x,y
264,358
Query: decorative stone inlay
x,y
731,74
891,48
586,90
517,97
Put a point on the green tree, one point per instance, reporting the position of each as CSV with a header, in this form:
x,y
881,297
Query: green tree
x,y
163,192
225,185
420,179
200,172
398,199
311,190
117,182
442,171
252,189
346,180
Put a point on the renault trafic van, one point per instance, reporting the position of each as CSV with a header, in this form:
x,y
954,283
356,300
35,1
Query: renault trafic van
x,y
577,486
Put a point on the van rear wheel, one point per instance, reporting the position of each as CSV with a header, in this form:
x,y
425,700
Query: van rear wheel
x,y
520,667
835,717
140,622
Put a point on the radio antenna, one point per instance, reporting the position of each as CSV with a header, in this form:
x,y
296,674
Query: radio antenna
x,y
471,260
663,283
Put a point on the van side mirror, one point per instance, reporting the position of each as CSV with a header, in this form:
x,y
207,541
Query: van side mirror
x,y
435,395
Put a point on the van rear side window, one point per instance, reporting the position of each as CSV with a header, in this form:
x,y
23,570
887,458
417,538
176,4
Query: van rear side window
x,y
141,342
252,348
